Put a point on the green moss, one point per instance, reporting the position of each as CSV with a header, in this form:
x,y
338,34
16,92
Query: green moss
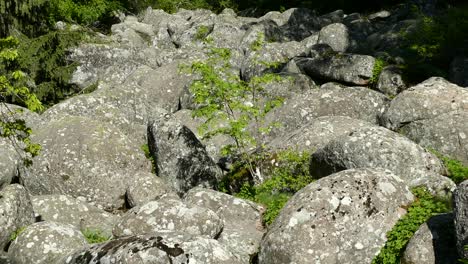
x,y
16,233
146,150
95,236
424,207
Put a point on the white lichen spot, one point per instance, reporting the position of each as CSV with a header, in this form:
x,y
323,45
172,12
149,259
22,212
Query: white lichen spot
x,y
346,201
358,245
335,202
30,244
386,187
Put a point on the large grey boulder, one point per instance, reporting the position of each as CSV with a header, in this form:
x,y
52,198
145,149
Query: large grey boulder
x,y
446,133
378,147
181,160
460,212
242,220
325,63
391,81
133,33
146,187
338,219
169,215
330,100
162,249
434,242
45,243
317,133
9,161
65,209
85,158
16,212
427,100
336,36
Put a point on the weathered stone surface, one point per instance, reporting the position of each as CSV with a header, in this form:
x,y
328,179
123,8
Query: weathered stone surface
x,y
169,215
336,36
4,259
338,219
85,158
181,160
461,218
434,242
324,63
146,187
330,100
68,210
161,249
133,33
317,133
9,161
16,212
391,81
377,147
427,100
242,220
446,133
45,242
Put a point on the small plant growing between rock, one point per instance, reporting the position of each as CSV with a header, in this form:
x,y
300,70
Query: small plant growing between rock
x,y
455,169
145,149
419,212
16,233
95,236
231,106
379,65
202,32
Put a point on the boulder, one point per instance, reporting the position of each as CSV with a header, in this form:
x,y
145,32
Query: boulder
x,y
242,220
146,187
377,147
16,212
446,133
434,242
85,158
336,36
330,100
65,209
9,161
326,64
391,81
338,219
181,160
460,212
169,215
161,249
133,33
427,100
45,242
317,133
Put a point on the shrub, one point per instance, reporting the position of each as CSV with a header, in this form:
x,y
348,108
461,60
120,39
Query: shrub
x,y
84,12
418,213
94,236
455,169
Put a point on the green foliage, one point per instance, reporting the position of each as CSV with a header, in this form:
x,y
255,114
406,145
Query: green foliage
x,y
95,236
456,171
202,32
146,150
171,6
12,86
231,106
83,12
16,233
377,70
24,15
464,261
44,59
289,174
418,213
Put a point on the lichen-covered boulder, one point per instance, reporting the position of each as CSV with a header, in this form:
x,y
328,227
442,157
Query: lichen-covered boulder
x,y
242,220
460,212
434,242
325,63
85,158
45,243
169,215
391,81
378,147
9,161
169,248
336,36
342,218
446,133
181,160
68,210
427,100
16,212
317,133
146,187
330,100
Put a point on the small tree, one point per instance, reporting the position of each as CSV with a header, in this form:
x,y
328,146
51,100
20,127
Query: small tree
x,y
12,86
234,107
